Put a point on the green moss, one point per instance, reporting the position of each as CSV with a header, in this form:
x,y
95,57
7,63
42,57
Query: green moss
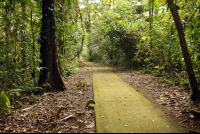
x,y
121,109
91,106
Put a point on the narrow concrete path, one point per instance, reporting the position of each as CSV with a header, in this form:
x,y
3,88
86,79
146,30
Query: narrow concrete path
x,y
121,109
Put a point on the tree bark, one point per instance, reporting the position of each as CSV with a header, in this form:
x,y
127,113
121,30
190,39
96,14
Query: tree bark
x,y
33,36
23,40
88,29
150,21
193,82
48,51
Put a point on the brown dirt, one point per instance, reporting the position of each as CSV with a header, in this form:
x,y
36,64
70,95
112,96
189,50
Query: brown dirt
x,y
55,112
67,112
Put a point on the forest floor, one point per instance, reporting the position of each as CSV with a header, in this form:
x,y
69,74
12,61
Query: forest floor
x,y
55,111
67,111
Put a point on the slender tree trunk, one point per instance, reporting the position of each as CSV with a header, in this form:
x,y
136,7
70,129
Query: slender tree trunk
x,y
33,36
48,51
152,13
7,36
90,47
89,21
6,62
23,42
76,4
81,19
60,42
150,21
193,82
7,47
89,44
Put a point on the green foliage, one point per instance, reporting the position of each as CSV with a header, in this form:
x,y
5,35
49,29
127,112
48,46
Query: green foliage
x,y
115,33
4,101
5,98
120,35
113,39
20,28
84,82
140,9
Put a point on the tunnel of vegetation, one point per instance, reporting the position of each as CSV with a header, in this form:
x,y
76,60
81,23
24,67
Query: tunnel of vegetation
x,y
41,41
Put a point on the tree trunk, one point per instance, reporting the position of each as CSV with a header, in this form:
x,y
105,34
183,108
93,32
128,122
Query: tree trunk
x,y
49,75
193,82
150,21
33,36
89,41
23,40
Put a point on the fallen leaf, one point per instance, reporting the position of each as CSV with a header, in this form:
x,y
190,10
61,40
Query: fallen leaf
x,y
192,116
90,125
3,125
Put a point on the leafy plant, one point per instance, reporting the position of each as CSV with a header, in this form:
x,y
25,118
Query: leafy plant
x,y
85,83
4,101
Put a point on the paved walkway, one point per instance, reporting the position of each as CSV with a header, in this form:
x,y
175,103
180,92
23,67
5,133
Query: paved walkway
x,y
121,109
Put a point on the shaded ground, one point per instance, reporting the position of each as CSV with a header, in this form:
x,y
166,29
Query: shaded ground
x,y
57,112
37,114
174,101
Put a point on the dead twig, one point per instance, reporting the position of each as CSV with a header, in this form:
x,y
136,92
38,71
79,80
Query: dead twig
x,y
66,118
58,121
183,120
29,108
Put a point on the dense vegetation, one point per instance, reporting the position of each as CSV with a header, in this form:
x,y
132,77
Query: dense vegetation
x,y
137,34
144,36
21,24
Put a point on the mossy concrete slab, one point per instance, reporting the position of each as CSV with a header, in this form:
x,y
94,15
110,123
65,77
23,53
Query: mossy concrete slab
x,y
121,109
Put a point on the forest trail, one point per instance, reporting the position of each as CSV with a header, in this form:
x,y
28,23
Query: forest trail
x,y
121,109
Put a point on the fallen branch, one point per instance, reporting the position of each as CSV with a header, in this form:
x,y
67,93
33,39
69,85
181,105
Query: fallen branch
x,y
58,121
183,121
28,108
66,118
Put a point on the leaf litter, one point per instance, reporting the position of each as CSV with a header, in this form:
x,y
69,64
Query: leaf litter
x,y
56,111
67,112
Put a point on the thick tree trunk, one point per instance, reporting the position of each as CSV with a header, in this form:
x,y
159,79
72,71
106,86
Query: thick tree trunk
x,y
195,88
49,55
